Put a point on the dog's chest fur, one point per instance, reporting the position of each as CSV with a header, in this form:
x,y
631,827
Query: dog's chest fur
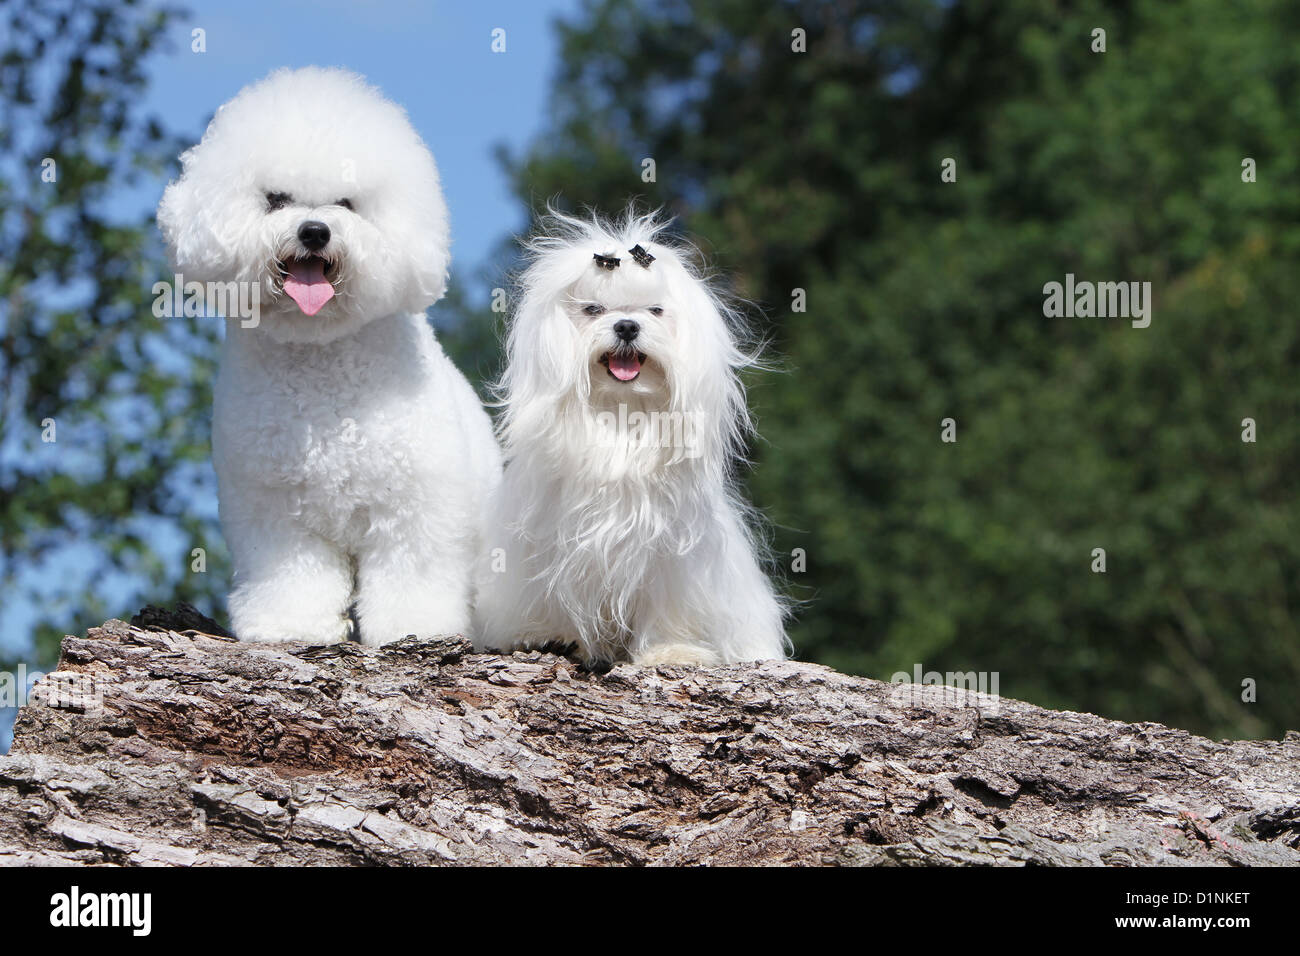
x,y
333,425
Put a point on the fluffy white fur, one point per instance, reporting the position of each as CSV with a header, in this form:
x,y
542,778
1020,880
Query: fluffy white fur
x,y
353,459
632,545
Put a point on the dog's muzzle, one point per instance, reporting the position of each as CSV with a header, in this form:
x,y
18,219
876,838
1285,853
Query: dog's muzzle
x,y
306,280
623,363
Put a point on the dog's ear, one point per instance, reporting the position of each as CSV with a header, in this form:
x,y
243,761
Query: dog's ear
x,y
541,350
543,366
707,381
429,251
174,214
183,221
416,226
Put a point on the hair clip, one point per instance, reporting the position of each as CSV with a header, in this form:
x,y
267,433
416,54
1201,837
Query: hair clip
x,y
607,262
643,258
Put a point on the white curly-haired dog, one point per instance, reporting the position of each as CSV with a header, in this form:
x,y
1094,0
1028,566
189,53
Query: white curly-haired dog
x,y
353,459
617,526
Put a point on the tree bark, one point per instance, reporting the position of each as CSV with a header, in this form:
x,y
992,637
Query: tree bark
x,y
164,741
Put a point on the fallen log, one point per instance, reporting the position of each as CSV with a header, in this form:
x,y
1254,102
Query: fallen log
x,y
163,741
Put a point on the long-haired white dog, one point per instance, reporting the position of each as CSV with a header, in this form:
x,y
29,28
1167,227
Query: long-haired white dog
x,y
353,459
617,526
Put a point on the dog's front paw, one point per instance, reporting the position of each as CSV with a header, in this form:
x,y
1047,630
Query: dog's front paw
x,y
393,612
372,638
677,654
304,602
285,632
378,631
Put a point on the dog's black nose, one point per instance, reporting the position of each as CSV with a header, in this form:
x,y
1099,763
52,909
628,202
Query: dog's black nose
x,y
626,329
314,235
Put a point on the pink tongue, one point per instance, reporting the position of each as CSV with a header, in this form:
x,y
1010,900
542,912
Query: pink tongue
x,y
307,285
625,367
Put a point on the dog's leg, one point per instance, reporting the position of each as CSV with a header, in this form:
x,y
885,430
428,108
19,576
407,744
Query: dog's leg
x,y
715,636
667,634
715,607
500,592
406,587
290,584
676,652
747,626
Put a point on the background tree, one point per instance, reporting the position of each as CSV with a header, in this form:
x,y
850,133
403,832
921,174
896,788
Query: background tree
x,y
820,171
108,507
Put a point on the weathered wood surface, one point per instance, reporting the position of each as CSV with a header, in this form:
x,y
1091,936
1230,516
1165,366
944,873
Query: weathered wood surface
x,y
205,751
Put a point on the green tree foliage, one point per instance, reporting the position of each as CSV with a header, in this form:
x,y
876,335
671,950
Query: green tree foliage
x,y
821,170
128,394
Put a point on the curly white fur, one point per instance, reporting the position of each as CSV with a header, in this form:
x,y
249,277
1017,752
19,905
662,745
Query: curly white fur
x,y
353,459
617,526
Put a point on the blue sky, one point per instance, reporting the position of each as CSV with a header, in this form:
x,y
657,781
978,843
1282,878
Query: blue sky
x,y
434,58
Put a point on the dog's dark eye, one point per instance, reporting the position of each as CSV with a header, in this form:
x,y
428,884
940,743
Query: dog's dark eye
x,y
594,309
655,310
276,201
345,203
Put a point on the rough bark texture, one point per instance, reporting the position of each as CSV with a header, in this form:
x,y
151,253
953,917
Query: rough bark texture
x,y
205,751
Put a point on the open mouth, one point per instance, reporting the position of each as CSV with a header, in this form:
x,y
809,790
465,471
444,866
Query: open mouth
x,y
624,365
306,280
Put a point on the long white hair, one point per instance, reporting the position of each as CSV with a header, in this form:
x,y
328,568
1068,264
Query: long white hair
x,y
598,507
